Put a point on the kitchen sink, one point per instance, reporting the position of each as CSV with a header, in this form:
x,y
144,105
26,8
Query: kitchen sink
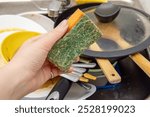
x,y
19,6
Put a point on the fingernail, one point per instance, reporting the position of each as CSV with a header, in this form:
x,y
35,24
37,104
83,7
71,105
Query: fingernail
x,y
63,23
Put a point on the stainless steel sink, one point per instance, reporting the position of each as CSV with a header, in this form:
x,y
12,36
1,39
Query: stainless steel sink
x,y
17,6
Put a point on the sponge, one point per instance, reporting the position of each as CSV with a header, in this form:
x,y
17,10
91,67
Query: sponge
x,y
72,45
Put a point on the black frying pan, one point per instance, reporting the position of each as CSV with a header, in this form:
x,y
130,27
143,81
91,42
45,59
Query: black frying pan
x,y
116,53
135,83
64,85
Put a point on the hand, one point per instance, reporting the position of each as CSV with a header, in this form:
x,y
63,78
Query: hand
x,y
29,68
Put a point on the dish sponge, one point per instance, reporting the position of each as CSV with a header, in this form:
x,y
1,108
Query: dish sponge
x,y
80,37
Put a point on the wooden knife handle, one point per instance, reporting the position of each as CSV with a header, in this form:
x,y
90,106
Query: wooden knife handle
x,y
142,62
109,71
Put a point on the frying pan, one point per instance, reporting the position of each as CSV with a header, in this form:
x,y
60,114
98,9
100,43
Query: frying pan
x,y
135,83
114,53
127,35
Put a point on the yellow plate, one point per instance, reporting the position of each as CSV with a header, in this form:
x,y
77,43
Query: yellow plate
x,y
12,42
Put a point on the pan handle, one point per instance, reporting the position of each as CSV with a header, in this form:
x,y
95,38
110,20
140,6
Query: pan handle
x,y
60,89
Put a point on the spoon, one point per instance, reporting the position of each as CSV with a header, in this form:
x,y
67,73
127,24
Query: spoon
x,y
107,12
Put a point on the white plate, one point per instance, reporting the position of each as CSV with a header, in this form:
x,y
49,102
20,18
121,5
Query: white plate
x,y
15,21
44,21
76,92
11,23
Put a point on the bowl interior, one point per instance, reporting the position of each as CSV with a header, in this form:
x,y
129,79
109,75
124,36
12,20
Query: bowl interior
x,y
12,43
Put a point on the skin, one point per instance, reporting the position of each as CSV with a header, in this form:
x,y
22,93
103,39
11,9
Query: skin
x,y
29,69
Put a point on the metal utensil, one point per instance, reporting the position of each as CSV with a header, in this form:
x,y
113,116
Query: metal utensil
x,y
74,76
62,87
54,8
83,65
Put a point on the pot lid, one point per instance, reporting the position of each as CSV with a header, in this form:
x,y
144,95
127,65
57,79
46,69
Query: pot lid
x,y
129,30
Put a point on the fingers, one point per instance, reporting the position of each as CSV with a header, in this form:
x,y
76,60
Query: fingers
x,y
55,71
77,59
50,70
49,39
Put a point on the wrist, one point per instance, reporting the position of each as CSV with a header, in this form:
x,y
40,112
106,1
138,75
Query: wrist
x,y
12,82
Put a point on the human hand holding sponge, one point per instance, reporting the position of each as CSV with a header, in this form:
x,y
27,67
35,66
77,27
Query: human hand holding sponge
x,y
82,32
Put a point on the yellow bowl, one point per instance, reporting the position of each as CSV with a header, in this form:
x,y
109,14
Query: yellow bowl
x,y
12,42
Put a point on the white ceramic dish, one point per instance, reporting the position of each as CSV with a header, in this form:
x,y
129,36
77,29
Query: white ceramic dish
x,y
44,21
15,21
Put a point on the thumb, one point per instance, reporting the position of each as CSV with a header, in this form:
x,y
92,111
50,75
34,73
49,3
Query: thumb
x,y
48,40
